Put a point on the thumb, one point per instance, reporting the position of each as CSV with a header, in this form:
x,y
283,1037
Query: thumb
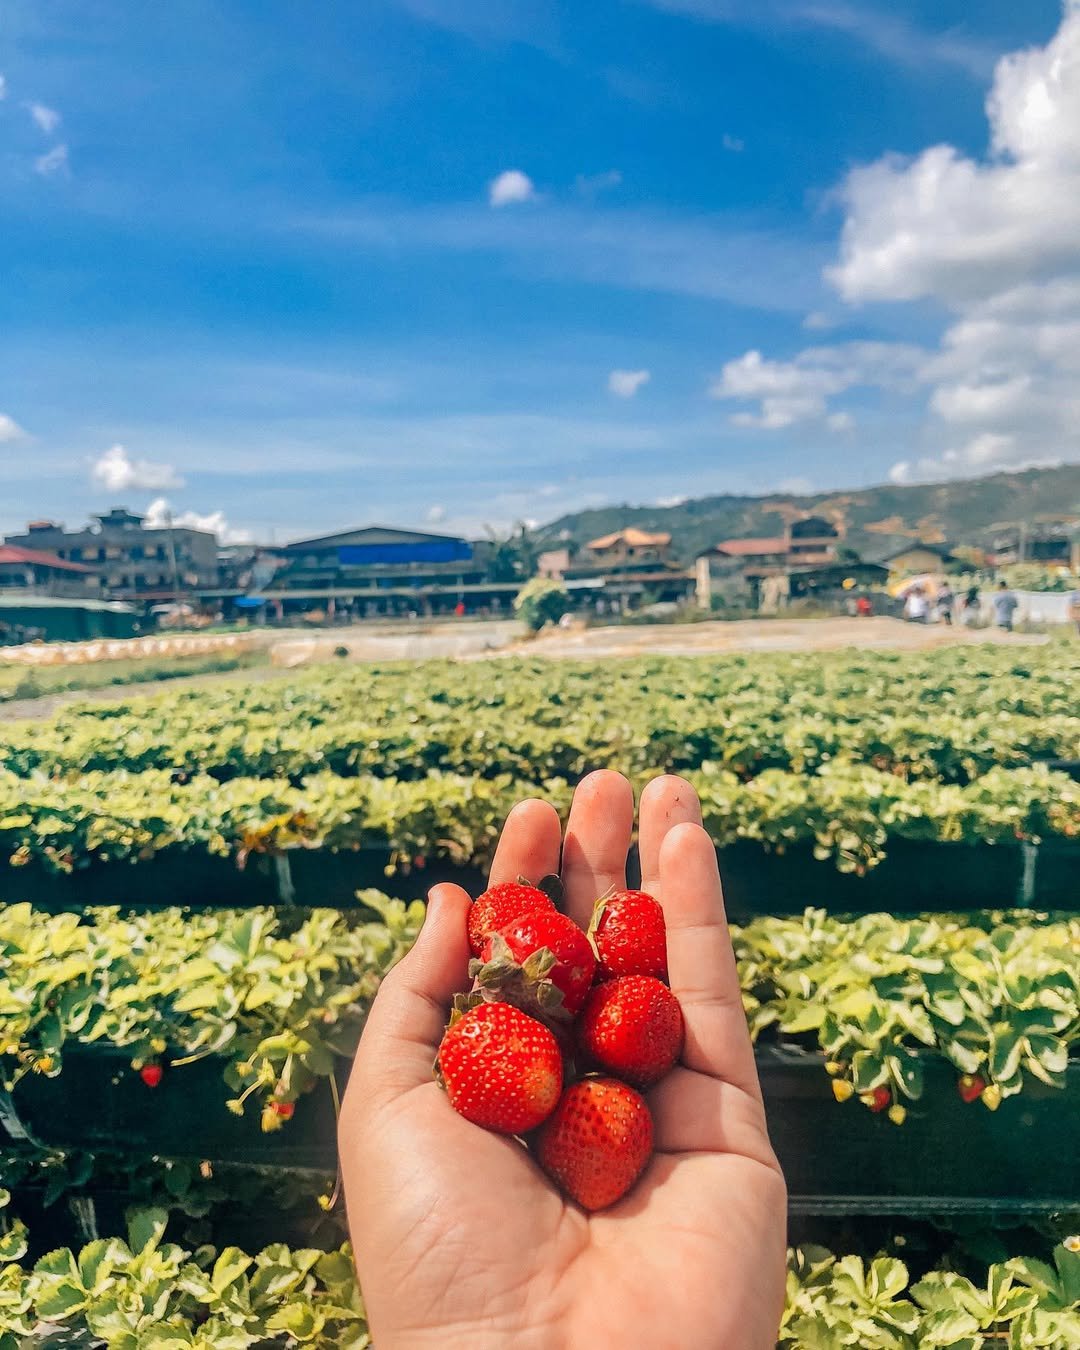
x,y
410,1011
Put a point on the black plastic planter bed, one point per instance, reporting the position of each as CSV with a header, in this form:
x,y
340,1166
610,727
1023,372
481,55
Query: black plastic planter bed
x,y
948,1156
197,880
99,1102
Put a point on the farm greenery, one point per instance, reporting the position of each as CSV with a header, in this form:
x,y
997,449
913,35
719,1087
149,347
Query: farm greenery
x,y
840,751
947,716
283,1005
145,1293
847,811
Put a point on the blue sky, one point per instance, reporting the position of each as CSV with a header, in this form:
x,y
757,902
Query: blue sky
x,y
294,267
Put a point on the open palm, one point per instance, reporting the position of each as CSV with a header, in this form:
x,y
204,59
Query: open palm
x,y
461,1240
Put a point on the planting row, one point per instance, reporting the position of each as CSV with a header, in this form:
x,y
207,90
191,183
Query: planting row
x,y
148,1293
848,812
535,722
279,1006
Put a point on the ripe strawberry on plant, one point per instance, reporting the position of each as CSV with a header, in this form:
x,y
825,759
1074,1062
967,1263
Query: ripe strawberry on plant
x,y
632,1027
501,905
501,1069
597,1142
970,1086
877,1099
151,1074
629,935
542,962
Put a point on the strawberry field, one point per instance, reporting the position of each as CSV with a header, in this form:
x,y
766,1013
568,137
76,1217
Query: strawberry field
x,y
203,890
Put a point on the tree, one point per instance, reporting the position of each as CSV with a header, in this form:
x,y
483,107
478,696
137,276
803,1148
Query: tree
x,y
541,601
512,558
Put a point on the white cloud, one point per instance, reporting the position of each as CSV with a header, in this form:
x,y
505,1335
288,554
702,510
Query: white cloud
x,y
115,471
549,490
435,514
46,119
670,501
954,228
797,391
3,88
160,514
733,143
54,161
626,383
10,429
991,241
797,485
818,321
510,187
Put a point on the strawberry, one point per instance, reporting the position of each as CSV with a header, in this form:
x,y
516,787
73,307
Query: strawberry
x,y
500,1068
632,1027
629,935
501,905
286,1110
877,1099
541,961
970,1086
151,1074
597,1142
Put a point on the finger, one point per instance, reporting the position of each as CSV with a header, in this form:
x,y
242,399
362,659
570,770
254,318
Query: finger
x,y
410,1011
529,843
597,841
701,962
665,802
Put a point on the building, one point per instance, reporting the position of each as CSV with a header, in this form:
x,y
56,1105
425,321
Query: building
x,y
377,570
920,557
31,570
128,560
1049,541
628,548
732,572
622,570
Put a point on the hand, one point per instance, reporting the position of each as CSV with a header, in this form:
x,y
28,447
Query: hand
x,y
460,1239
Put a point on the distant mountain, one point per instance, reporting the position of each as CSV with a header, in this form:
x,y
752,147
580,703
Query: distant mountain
x,y
875,521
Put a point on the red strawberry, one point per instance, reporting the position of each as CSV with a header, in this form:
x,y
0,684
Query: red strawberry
x,y
501,905
151,1074
877,1099
541,960
971,1086
286,1110
500,1068
597,1142
629,935
632,1027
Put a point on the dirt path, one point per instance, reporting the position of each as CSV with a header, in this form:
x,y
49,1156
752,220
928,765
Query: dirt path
x,y
769,635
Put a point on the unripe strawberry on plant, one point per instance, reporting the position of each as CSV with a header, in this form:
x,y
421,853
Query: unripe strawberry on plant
x,y
597,1142
632,1027
842,1089
971,1086
501,1069
499,906
991,1096
629,934
542,962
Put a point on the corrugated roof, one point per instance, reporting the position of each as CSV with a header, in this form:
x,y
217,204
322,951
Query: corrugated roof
x,y
633,537
12,553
